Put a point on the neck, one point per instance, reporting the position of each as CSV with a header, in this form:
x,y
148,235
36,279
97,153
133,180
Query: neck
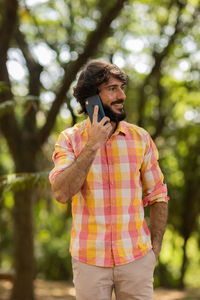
x,y
114,127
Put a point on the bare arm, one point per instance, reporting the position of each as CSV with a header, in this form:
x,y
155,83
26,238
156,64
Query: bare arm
x,y
158,221
70,181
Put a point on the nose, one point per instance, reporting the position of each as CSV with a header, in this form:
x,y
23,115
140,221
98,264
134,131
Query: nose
x,y
121,94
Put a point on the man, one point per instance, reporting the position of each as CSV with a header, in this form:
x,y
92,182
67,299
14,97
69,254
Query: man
x,y
105,167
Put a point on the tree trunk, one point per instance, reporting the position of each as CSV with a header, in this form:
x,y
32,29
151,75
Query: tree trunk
x,y
23,288
23,247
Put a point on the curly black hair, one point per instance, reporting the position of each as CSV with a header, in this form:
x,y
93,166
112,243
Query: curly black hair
x,y
92,76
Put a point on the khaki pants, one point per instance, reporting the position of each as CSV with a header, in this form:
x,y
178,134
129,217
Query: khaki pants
x,y
132,281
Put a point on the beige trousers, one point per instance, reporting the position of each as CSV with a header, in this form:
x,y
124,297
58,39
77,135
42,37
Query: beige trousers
x,y
132,281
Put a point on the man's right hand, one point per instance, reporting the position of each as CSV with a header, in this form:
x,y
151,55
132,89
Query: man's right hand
x,y
98,131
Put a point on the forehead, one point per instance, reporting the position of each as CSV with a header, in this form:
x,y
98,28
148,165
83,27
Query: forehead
x,y
112,81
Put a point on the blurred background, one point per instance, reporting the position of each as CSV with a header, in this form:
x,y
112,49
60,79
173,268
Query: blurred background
x,y
43,46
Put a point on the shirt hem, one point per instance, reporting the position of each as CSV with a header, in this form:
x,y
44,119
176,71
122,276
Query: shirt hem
x,y
112,265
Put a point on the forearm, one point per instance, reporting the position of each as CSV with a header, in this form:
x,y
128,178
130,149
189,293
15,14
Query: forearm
x,y
158,221
70,181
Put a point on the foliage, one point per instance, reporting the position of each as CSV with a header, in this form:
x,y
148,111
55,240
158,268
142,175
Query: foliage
x,y
4,107
21,181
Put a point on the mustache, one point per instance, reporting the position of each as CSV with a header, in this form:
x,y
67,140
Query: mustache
x,y
117,102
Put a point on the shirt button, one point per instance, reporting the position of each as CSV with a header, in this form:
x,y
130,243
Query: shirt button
x,y
113,202
112,182
110,163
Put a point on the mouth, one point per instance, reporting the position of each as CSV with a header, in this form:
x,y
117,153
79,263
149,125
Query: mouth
x,y
118,106
115,111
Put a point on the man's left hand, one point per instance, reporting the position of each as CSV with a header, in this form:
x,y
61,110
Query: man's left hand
x,y
156,250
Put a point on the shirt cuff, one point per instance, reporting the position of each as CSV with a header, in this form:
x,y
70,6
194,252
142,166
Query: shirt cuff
x,y
159,195
164,199
55,172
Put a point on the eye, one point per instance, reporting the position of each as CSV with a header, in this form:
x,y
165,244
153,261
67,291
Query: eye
x,y
112,88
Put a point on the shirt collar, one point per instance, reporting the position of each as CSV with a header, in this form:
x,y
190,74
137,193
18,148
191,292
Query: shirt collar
x,y
120,129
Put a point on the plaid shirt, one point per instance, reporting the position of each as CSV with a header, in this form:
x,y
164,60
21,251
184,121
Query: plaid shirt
x,y
108,225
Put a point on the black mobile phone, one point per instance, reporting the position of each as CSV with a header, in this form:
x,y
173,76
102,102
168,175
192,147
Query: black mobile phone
x,y
90,104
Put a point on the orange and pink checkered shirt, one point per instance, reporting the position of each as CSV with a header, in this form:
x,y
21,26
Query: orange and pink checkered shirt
x,y
108,225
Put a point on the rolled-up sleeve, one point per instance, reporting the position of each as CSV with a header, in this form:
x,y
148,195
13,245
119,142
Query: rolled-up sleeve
x,y
154,189
63,156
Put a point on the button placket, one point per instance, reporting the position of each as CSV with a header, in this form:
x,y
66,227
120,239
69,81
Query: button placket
x,y
112,194
110,163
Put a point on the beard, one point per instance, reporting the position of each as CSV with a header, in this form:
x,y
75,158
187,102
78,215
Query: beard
x,y
114,117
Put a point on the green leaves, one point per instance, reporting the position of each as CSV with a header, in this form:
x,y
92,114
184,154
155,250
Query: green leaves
x,y
6,107
21,181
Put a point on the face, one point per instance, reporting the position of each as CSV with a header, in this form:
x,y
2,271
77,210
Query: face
x,y
113,97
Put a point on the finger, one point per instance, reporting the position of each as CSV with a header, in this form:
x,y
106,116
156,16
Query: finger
x,y
104,120
95,114
107,125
